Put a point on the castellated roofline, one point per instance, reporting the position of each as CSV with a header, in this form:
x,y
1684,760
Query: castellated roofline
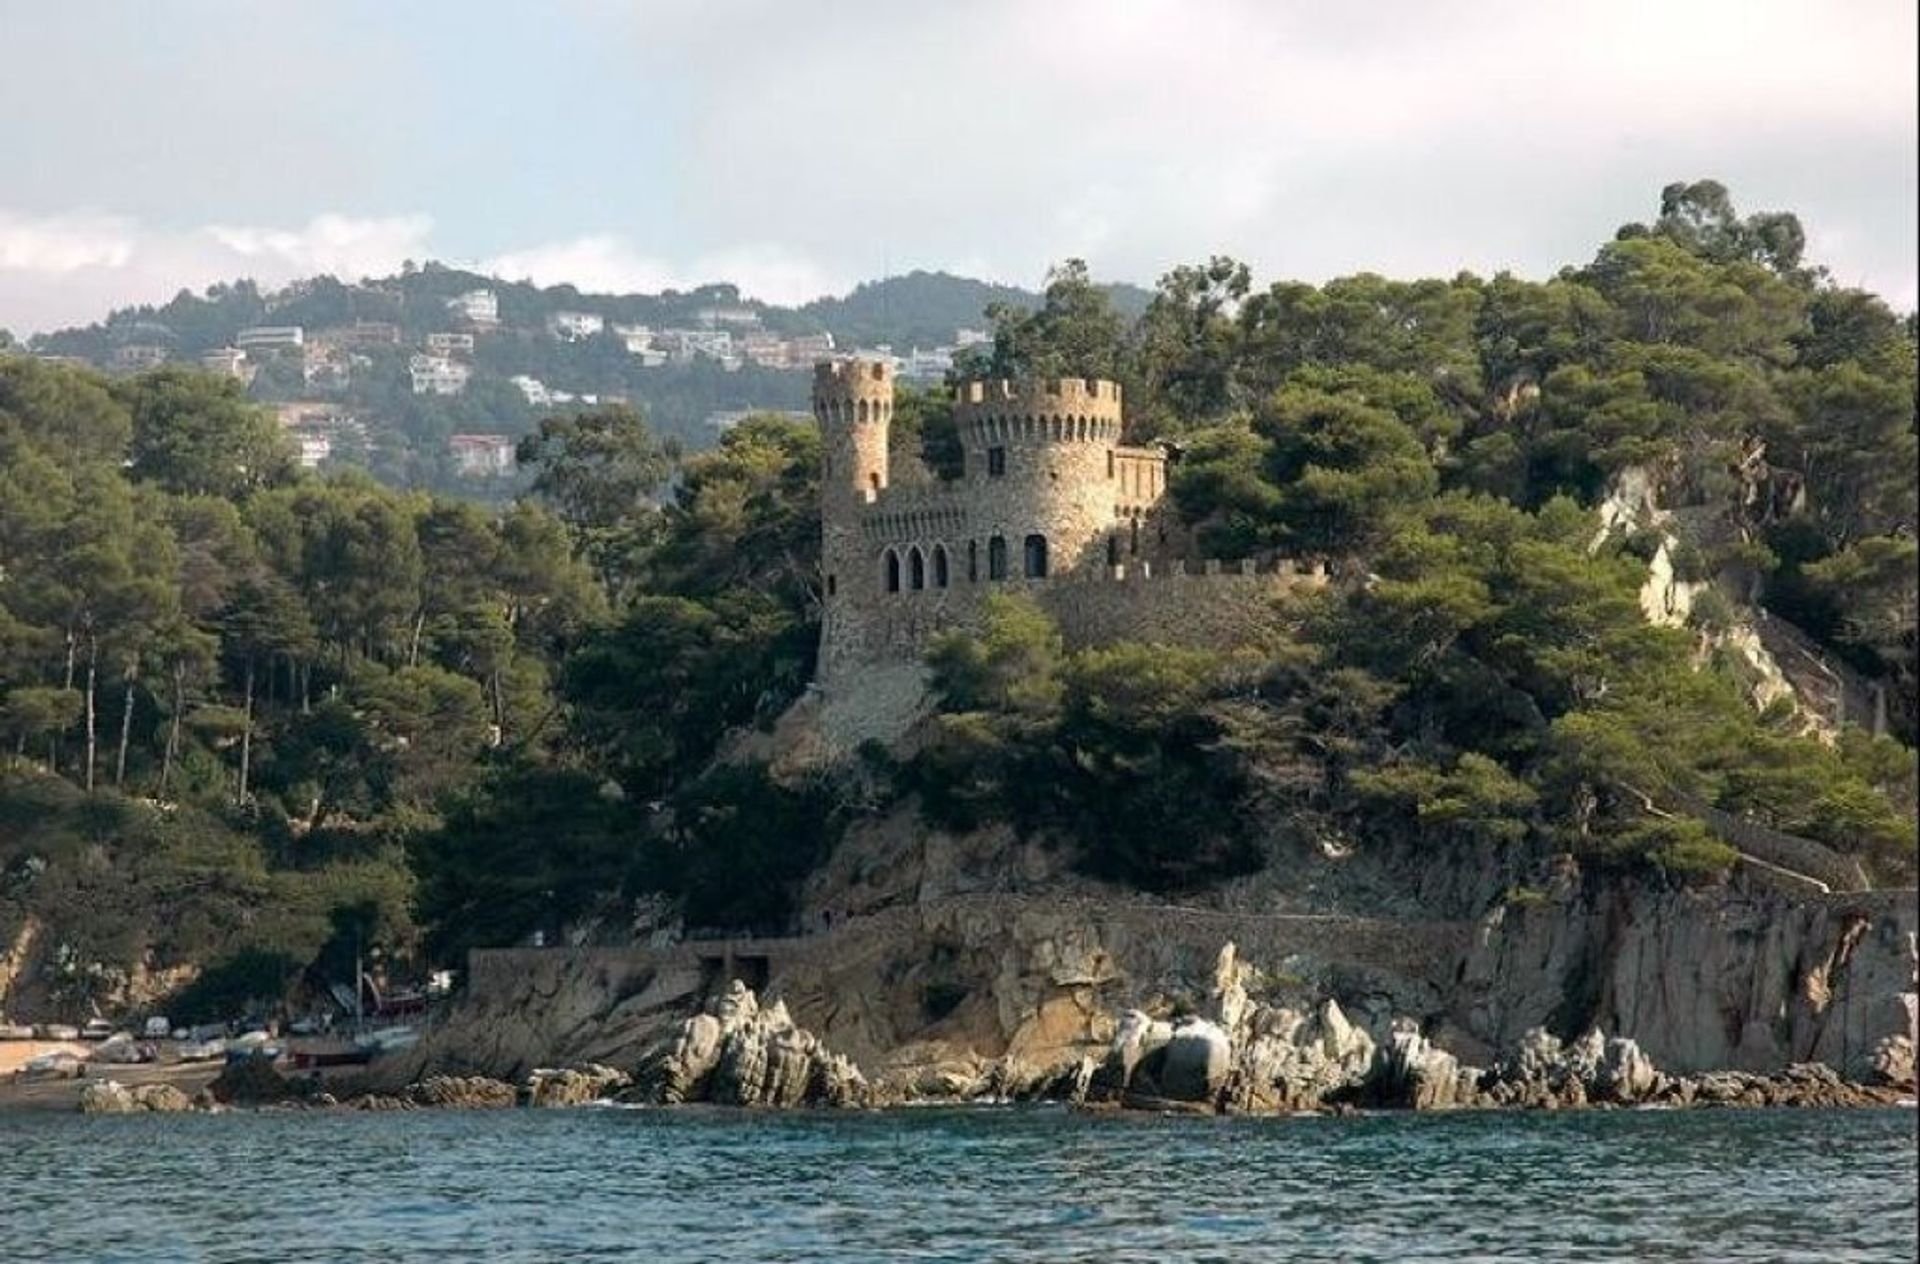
x,y
996,396
862,377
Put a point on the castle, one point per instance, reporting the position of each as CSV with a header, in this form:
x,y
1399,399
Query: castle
x,y
1049,501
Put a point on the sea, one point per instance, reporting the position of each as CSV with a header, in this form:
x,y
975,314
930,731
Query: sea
x,y
1000,1184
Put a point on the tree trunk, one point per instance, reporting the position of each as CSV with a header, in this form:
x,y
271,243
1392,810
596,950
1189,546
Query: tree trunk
x,y
126,723
93,728
306,687
173,728
246,735
413,649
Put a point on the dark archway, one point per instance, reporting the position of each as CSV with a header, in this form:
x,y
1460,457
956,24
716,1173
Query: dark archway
x,y
997,558
893,571
939,566
916,569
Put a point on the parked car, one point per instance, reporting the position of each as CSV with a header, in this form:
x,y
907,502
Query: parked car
x,y
15,1031
96,1029
157,1028
201,1050
57,1031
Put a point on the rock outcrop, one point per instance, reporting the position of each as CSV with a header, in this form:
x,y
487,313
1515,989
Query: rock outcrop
x,y
739,1053
574,1086
110,1097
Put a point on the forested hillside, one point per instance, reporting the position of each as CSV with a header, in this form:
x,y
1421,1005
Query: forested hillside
x,y
406,433
253,716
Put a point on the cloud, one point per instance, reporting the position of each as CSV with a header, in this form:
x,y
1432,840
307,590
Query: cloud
x,y
61,244
759,141
72,268
611,264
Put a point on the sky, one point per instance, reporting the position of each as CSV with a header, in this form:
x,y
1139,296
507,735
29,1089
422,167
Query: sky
x,y
796,148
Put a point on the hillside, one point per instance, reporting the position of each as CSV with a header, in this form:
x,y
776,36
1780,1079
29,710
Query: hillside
x,y
690,361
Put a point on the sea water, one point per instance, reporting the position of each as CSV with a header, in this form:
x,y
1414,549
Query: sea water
x,y
1012,1184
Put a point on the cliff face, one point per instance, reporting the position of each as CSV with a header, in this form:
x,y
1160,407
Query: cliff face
x,y
940,962
1739,978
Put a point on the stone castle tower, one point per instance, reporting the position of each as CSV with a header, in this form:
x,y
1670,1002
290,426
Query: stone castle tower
x,y
1048,501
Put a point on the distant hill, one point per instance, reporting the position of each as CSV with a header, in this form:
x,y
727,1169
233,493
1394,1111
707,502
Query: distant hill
x,y
345,366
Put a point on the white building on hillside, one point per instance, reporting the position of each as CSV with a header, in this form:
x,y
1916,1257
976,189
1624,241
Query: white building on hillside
x,y
476,307
481,456
450,344
226,361
574,326
269,336
437,375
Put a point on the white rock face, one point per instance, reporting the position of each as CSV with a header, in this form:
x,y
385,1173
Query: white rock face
x,y
740,1054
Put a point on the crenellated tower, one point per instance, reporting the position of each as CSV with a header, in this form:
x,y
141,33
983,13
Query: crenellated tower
x,y
853,401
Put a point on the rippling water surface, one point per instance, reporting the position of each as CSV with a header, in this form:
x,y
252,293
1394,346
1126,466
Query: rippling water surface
x,y
1017,1185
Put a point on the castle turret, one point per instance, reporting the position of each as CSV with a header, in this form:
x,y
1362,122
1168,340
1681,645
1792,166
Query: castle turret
x,y
853,400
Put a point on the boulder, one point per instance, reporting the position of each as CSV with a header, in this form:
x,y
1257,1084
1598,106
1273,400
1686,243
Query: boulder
x,y
1196,1062
106,1097
462,1092
1409,1072
1137,1039
574,1086
110,1097
1892,1061
252,1082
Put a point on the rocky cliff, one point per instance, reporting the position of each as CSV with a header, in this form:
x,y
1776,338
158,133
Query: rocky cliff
x,y
946,966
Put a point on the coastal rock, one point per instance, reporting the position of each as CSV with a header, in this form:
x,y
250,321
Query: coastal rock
x,y
110,1097
106,1097
574,1086
252,1082
462,1092
1138,1039
1411,1073
739,1053
1196,1061
1893,1062
1291,1061
1542,1071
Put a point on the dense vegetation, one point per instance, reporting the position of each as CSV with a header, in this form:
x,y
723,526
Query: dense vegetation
x,y
253,718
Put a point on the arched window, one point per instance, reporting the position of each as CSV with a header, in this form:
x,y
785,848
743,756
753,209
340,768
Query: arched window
x,y
939,566
916,569
832,586
893,571
973,561
997,558
1036,557
1133,545
1113,550
1109,462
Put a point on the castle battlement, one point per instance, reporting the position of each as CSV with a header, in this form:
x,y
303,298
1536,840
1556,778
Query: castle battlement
x,y
1039,395
853,375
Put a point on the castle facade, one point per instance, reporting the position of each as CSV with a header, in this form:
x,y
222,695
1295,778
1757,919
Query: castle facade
x,y
1049,501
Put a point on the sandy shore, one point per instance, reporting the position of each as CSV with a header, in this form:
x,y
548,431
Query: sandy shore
x,y
17,1093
